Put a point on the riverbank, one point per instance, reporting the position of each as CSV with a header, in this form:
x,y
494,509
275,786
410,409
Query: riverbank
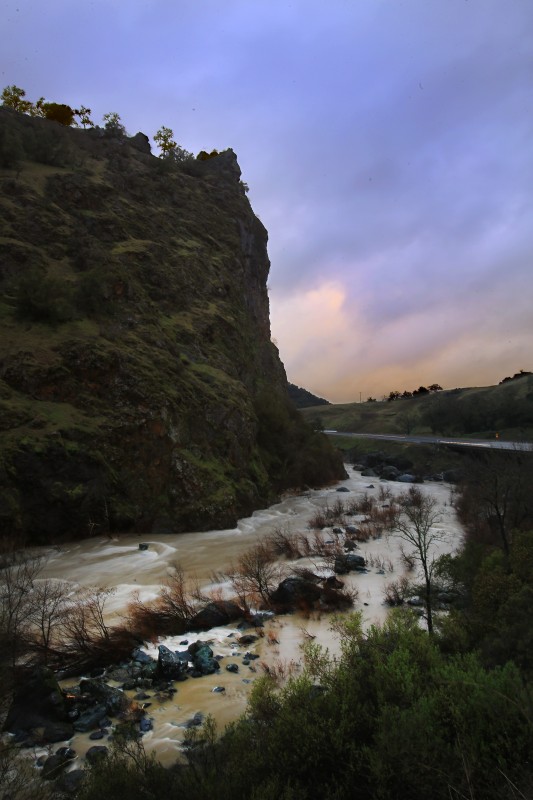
x,y
119,564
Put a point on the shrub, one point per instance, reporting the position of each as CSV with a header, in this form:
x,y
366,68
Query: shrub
x,y
44,299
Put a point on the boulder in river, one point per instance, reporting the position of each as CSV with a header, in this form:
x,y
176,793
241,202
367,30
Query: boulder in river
x,y
202,658
295,591
114,699
57,762
219,612
169,665
348,562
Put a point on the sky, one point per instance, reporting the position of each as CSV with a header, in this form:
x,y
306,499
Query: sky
x,y
387,144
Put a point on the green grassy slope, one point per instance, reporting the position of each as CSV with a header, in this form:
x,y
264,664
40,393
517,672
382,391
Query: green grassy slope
x,y
506,409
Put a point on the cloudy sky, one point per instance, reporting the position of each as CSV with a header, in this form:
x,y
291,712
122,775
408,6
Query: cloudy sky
x,y
388,146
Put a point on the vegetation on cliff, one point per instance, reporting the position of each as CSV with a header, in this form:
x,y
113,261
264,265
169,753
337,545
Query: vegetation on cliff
x,y
139,386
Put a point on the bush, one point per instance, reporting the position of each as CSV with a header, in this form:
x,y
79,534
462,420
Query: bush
x,y
43,299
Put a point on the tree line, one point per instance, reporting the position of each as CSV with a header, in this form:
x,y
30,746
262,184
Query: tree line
x,y
15,97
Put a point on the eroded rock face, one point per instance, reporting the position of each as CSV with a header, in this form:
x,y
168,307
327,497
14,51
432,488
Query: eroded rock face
x,y
142,388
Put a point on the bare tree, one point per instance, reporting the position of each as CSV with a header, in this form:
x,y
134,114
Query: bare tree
x,y
256,575
49,599
17,600
175,601
416,525
84,632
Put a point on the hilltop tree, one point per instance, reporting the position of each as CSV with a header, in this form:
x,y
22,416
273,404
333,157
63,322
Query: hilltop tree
x,y
59,112
13,97
113,124
165,141
84,114
37,108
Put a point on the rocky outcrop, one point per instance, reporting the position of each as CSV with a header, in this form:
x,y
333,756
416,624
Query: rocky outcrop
x,y
38,712
139,387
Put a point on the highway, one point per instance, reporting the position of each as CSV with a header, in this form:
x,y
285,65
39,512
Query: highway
x,y
450,441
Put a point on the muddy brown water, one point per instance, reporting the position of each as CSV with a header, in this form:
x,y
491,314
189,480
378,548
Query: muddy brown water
x,y
120,564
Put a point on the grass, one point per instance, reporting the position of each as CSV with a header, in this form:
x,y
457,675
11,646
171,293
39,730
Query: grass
x,y
491,407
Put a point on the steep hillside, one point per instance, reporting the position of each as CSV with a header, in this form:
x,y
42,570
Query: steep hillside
x,y
139,387
303,399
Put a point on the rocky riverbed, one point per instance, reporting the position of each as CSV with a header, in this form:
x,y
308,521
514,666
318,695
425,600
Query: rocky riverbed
x,y
170,684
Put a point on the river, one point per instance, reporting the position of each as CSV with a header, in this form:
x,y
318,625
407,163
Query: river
x,y
118,563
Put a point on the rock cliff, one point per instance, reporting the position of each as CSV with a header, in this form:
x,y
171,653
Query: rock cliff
x,y
139,387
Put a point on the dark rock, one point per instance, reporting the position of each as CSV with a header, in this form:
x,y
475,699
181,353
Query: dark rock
x,y
368,472
232,668
114,699
195,721
141,657
95,735
202,658
352,530
90,719
245,662
350,545
251,656
348,562
143,545
452,476
332,582
38,709
337,530
294,591
248,638
390,473
140,142
70,782
120,674
258,620
342,489
406,478
169,665
96,753
97,672
220,612
66,752
55,763
218,689
145,725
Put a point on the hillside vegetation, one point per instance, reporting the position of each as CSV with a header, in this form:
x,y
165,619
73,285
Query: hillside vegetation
x,y
139,386
505,409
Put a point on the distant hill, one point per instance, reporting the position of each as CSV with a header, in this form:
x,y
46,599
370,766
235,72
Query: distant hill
x,y
505,409
304,399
